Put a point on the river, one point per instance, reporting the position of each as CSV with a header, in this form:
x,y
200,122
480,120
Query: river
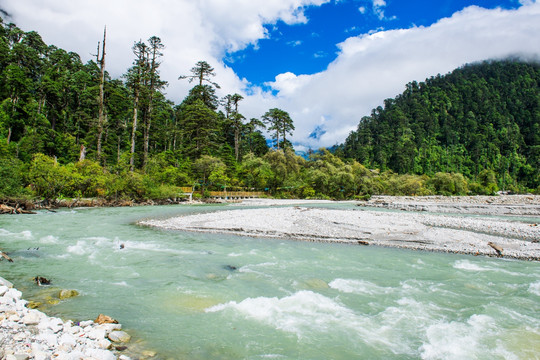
x,y
211,296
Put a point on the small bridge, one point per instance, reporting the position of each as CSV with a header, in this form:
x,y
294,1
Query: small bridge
x,y
225,194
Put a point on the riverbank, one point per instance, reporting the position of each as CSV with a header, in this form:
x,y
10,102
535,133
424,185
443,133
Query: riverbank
x,y
30,334
528,205
25,206
479,235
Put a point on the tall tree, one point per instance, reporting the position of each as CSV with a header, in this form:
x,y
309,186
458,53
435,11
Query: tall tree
x,y
154,84
235,118
134,82
101,98
201,72
280,122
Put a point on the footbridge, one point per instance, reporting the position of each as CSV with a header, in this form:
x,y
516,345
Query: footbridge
x,y
225,194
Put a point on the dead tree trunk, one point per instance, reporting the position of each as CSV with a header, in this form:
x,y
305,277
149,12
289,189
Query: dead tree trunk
x,y
101,99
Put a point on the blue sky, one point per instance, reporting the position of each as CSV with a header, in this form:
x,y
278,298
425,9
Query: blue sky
x,y
327,63
308,48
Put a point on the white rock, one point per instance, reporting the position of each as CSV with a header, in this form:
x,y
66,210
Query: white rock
x,y
119,336
110,327
73,329
32,318
21,356
100,354
104,344
19,336
55,324
67,339
40,355
124,357
49,337
5,282
96,334
13,294
37,347
14,318
86,323
20,305
3,289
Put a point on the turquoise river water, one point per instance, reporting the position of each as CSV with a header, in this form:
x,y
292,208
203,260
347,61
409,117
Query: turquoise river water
x,y
212,296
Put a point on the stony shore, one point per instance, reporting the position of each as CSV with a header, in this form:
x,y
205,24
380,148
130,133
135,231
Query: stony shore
x,y
411,230
30,334
528,205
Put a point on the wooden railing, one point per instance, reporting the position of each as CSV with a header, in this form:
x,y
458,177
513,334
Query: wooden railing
x,y
236,194
226,194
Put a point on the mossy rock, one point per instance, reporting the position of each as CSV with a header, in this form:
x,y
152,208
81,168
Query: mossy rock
x,y
34,304
66,294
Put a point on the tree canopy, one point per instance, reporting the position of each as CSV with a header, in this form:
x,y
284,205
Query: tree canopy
x,y
480,118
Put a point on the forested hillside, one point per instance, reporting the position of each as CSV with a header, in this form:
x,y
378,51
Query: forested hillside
x,y
69,130
482,120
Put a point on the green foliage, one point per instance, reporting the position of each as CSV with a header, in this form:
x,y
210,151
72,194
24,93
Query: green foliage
x,y
48,179
481,116
448,184
12,179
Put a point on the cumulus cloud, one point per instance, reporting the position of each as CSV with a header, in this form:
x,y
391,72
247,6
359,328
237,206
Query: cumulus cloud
x,y
372,67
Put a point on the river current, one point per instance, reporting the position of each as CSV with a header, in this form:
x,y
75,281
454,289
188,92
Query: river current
x,y
212,296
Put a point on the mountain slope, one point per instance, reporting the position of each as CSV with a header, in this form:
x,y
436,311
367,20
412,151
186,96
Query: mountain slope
x,y
480,120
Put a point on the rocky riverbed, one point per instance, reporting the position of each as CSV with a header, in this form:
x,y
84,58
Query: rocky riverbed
x,y
528,205
410,230
30,334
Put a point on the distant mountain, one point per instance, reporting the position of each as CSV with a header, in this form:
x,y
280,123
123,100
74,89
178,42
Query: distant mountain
x,y
317,133
479,120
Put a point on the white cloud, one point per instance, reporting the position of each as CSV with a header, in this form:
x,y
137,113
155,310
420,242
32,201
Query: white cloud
x,y
378,8
371,68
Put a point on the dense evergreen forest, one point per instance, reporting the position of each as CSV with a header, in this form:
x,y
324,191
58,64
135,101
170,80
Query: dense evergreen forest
x,y
69,130
482,120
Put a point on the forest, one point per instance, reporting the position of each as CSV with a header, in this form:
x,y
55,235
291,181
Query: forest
x,y
481,120
69,130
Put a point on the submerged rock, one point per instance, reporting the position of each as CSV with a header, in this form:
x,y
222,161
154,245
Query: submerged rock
x,y
66,294
119,336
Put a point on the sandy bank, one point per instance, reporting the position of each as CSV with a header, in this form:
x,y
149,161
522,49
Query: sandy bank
x,y
411,230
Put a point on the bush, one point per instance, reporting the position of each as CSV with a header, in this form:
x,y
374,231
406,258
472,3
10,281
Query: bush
x,y
448,184
12,181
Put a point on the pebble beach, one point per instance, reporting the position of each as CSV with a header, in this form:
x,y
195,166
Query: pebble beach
x,y
412,228
30,334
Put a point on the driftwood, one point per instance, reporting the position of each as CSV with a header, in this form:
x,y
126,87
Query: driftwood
x,y
5,256
497,248
11,207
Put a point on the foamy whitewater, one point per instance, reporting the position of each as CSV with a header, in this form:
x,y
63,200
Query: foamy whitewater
x,y
214,296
